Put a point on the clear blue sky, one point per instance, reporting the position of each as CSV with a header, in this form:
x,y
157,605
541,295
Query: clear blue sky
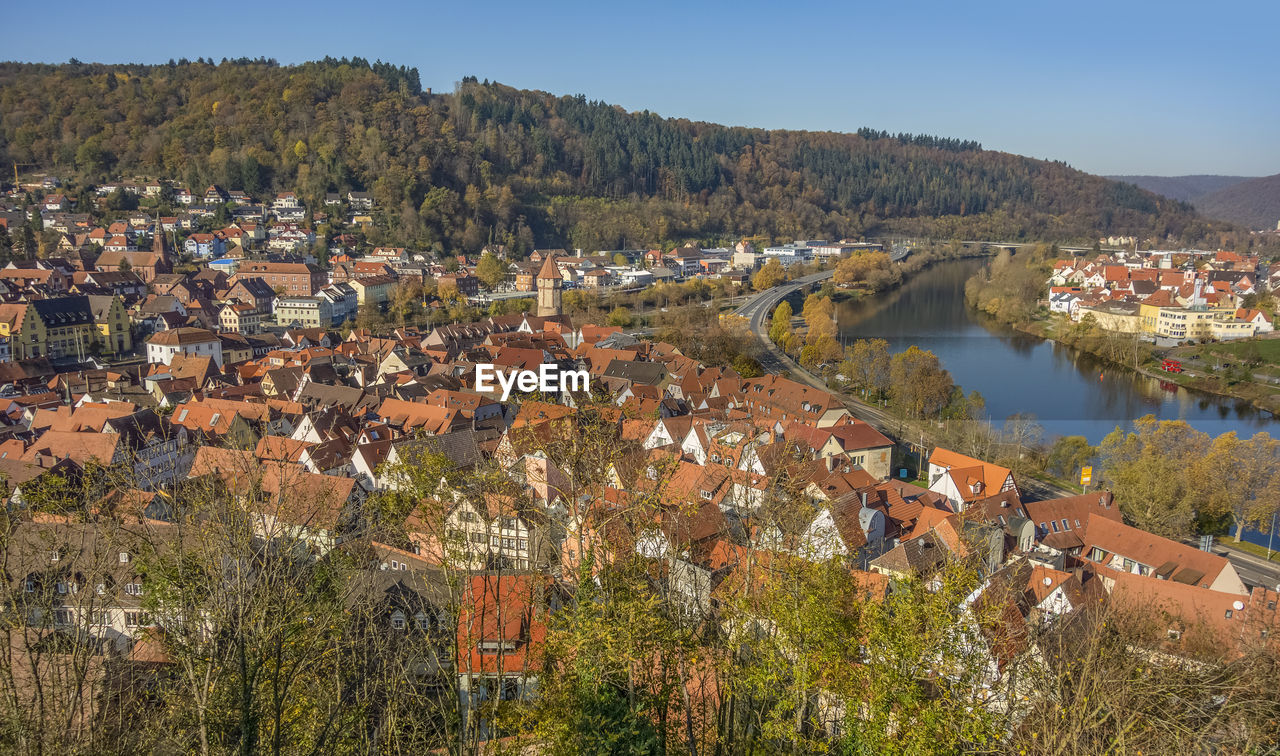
x,y
1110,87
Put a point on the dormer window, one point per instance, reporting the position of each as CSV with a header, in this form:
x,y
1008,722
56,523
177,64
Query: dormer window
x,y
706,495
124,557
54,556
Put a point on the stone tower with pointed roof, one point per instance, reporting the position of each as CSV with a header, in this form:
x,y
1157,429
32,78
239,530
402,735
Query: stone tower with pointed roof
x,y
548,283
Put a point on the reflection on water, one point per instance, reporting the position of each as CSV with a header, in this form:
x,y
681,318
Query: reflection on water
x,y
1067,391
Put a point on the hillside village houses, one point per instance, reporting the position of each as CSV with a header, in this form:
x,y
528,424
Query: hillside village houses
x,y
249,386
1164,296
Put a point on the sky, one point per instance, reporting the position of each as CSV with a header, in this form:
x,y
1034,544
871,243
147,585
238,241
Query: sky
x,y
1117,87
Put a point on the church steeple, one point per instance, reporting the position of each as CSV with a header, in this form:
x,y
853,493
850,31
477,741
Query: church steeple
x,y
548,283
158,243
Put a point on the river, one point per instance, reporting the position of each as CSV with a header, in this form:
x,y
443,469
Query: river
x,y
1068,392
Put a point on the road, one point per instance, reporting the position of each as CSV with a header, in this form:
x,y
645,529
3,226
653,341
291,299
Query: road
x,y
1253,570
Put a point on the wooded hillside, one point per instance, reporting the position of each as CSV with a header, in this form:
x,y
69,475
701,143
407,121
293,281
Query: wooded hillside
x,y
488,162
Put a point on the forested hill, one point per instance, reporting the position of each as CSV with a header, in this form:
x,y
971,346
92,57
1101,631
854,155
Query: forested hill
x,y
488,162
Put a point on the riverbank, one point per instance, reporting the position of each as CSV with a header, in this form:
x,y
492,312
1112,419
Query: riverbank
x,y
1260,396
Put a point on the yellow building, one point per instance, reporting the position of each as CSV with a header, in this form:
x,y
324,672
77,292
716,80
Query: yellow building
x,y
113,324
58,328
67,327
1149,309
1182,323
1122,317
375,290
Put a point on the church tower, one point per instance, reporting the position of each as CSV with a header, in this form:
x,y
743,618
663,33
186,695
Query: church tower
x,y
548,283
162,261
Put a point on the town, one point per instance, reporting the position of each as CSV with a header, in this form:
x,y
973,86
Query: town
x,y
194,371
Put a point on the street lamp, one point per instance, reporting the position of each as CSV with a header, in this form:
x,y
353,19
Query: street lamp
x,y
1271,536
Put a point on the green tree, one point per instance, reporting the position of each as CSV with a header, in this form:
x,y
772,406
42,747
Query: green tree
x,y
1068,454
491,271
620,316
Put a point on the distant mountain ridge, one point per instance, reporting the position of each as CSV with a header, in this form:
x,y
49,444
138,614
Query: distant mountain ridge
x,y
1185,188
1254,203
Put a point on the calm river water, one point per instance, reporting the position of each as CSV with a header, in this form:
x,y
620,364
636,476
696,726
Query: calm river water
x,y
1069,393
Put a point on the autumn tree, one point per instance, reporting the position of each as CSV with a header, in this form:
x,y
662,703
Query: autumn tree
x,y
780,325
1240,478
859,267
866,365
1147,469
770,275
819,318
918,382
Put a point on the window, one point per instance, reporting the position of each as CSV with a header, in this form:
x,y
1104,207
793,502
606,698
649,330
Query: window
x,y
29,586
136,619
213,421
1097,554
133,589
421,621
1065,526
61,587
1002,522
100,617
100,588
397,621
1044,526
477,537
54,556
182,416
1077,523
124,557
62,616
466,516
1229,613
1054,525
